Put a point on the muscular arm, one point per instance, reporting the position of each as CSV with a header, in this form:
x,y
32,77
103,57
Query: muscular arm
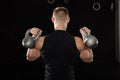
x,y
86,54
34,54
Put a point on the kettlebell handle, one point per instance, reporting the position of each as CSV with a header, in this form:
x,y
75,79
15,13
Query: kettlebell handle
x,y
27,33
38,35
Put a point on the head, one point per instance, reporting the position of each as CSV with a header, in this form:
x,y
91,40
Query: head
x,y
60,14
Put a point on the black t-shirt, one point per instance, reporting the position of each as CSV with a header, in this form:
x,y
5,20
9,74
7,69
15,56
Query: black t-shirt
x,y
59,52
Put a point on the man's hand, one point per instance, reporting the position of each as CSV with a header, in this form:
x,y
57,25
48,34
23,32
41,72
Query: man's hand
x,y
35,30
87,30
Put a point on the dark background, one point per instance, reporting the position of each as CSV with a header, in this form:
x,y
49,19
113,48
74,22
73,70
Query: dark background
x,y
18,15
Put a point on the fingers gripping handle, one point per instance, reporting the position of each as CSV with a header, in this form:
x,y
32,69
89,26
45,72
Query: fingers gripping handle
x,y
85,33
38,35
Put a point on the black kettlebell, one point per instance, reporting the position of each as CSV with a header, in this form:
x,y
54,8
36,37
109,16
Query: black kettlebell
x,y
28,41
90,40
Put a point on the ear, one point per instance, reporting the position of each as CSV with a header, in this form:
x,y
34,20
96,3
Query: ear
x,y
53,19
68,19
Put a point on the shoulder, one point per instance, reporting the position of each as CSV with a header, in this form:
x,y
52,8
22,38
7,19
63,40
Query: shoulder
x,y
77,39
39,42
79,43
41,38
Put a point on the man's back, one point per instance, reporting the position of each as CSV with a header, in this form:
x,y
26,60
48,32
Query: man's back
x,y
59,48
59,52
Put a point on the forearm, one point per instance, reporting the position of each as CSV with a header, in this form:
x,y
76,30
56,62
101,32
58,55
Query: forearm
x,y
32,54
87,55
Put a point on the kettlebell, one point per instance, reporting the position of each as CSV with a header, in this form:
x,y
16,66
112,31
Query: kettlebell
x,y
90,40
28,41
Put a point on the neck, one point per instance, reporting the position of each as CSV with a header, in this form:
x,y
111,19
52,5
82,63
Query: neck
x,y
60,26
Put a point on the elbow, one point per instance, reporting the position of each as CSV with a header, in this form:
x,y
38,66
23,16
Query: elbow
x,y
31,59
87,60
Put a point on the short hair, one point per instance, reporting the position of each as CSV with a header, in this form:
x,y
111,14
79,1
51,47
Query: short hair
x,y
61,13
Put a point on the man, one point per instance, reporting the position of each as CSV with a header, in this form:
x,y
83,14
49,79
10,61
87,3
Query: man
x,y
59,49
